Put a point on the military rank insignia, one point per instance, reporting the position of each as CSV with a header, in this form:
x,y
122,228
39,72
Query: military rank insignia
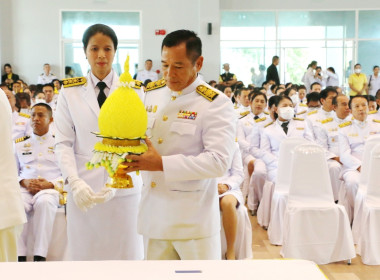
x,y
72,82
187,115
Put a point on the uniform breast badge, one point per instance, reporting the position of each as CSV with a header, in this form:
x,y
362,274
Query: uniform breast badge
x,y
187,115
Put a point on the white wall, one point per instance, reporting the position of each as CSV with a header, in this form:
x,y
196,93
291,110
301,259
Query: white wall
x,y
35,39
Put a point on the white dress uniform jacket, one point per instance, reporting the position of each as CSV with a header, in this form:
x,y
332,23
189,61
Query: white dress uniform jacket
x,y
20,125
46,79
11,205
195,135
314,118
147,75
107,231
36,159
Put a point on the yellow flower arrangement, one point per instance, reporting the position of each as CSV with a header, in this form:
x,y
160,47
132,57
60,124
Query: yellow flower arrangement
x,y
122,123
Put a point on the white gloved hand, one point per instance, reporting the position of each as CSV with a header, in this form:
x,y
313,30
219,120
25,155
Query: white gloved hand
x,y
82,194
104,195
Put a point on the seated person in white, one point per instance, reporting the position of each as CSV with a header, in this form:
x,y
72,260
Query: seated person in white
x,y
242,99
302,104
326,135
254,167
326,111
286,125
230,198
312,104
352,138
38,176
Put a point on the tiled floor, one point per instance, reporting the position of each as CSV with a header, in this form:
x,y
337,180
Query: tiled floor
x,y
262,249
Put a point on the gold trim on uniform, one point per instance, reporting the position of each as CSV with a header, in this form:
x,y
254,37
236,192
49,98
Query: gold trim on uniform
x,y
24,115
138,84
18,140
312,112
261,119
327,120
372,112
72,82
243,114
268,124
298,119
377,121
345,124
155,85
207,93
300,113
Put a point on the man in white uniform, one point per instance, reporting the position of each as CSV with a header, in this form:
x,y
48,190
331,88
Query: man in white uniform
x,y
12,214
39,174
147,73
192,131
46,77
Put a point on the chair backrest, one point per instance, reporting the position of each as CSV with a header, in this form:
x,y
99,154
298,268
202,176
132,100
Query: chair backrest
x,y
285,160
371,142
373,188
310,179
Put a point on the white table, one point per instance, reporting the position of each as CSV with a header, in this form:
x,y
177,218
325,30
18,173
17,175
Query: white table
x,y
165,270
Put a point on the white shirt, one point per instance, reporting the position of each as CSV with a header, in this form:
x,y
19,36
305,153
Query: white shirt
x,y
147,75
374,83
20,125
332,79
46,79
313,118
108,80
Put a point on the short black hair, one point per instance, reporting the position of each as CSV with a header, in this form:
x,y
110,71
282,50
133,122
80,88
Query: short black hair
x,y
325,93
238,91
273,88
47,106
315,83
256,94
335,99
357,64
287,84
56,80
312,96
287,91
371,98
301,87
99,28
193,42
376,66
264,83
274,58
148,60
318,67
7,65
23,96
331,69
272,100
357,96
48,85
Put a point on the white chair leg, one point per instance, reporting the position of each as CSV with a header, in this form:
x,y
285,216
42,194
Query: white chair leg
x,y
349,262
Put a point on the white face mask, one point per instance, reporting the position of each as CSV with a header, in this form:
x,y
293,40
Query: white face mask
x,y
24,110
38,100
286,113
358,70
295,99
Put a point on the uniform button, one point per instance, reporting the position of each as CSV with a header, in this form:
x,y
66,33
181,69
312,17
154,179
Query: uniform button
x,y
153,184
173,98
40,154
41,143
28,166
39,165
164,118
160,140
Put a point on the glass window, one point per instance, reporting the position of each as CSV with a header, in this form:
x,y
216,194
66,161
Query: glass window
x,y
368,55
369,24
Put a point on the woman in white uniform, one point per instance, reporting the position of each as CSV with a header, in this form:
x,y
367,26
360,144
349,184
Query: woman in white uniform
x,y
106,231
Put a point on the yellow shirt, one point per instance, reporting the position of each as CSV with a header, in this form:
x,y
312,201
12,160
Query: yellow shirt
x,y
357,81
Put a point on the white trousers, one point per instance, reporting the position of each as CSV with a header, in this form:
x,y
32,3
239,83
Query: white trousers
x,y
335,169
256,184
192,249
351,185
43,207
8,243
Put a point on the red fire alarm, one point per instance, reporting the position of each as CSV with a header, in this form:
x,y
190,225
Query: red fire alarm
x,y
160,31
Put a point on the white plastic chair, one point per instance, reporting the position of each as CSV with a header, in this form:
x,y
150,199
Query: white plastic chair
x,y
243,242
369,234
315,228
281,189
362,190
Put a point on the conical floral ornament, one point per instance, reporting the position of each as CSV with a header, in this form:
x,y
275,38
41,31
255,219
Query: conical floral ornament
x,y
122,122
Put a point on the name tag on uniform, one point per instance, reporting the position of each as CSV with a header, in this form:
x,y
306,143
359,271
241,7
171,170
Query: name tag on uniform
x,y
353,135
20,123
187,115
300,128
26,153
333,129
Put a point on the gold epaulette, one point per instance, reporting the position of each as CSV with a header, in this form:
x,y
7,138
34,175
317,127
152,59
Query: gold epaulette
x,y
269,124
266,113
18,140
312,112
155,85
300,113
372,112
298,119
377,121
72,82
243,114
138,84
327,120
207,92
24,115
261,119
345,124
302,104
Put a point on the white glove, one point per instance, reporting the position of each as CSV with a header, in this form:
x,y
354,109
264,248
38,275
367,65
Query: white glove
x,y
104,195
82,194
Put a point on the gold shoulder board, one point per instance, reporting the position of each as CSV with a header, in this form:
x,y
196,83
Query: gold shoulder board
x,y
345,124
372,112
138,84
266,113
300,113
298,119
72,82
312,112
207,93
261,119
327,120
155,85
243,114
24,115
18,140
268,124
377,121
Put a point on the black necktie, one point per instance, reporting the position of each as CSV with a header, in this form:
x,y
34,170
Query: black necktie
x,y
285,127
255,117
102,96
